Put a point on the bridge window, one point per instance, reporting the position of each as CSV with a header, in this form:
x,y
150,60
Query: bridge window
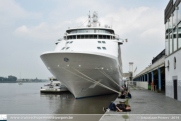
x,y
88,37
100,37
95,36
91,36
81,36
104,37
73,37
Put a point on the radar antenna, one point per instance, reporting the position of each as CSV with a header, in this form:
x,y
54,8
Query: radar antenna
x,y
95,19
89,20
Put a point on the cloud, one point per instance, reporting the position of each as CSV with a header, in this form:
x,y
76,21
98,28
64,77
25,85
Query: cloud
x,y
143,26
10,11
42,32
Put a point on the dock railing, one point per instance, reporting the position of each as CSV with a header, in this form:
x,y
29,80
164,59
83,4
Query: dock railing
x,y
137,84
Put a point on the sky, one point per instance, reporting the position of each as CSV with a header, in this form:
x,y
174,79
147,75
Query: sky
x,y
28,28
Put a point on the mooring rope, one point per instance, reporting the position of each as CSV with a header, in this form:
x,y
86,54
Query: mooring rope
x,y
109,77
96,81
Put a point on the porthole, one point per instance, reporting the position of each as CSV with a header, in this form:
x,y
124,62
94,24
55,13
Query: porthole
x,y
63,48
67,42
67,48
174,62
99,41
168,65
104,42
99,48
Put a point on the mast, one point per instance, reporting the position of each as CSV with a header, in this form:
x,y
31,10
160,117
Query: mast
x,y
89,20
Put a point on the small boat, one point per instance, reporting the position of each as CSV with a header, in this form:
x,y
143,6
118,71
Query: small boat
x,y
55,86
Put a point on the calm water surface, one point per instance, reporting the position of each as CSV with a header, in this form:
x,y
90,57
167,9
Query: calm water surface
x,y
27,99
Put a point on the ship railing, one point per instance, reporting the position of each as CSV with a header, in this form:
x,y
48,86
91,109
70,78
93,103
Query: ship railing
x,y
99,26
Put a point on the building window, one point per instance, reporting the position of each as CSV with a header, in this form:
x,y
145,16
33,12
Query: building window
x,y
104,48
63,48
179,35
174,2
174,39
179,12
99,41
99,48
104,42
67,48
166,39
170,43
174,62
168,65
175,18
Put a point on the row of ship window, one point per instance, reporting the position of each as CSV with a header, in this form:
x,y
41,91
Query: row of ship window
x,y
89,37
99,48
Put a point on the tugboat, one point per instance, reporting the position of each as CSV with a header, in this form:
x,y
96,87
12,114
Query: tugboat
x,y
55,86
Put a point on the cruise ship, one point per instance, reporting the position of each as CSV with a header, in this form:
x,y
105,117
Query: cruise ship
x,y
87,60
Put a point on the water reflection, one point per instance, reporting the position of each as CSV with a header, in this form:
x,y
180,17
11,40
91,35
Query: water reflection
x,y
67,104
27,99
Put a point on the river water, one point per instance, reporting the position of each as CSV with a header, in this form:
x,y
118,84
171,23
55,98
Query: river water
x,y
27,99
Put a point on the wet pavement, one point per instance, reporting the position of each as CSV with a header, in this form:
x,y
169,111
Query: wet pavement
x,y
147,103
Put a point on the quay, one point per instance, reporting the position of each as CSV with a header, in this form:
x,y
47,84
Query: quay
x,y
144,102
164,73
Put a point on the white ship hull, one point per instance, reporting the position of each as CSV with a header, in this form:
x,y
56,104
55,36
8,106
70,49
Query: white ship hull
x,y
78,71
